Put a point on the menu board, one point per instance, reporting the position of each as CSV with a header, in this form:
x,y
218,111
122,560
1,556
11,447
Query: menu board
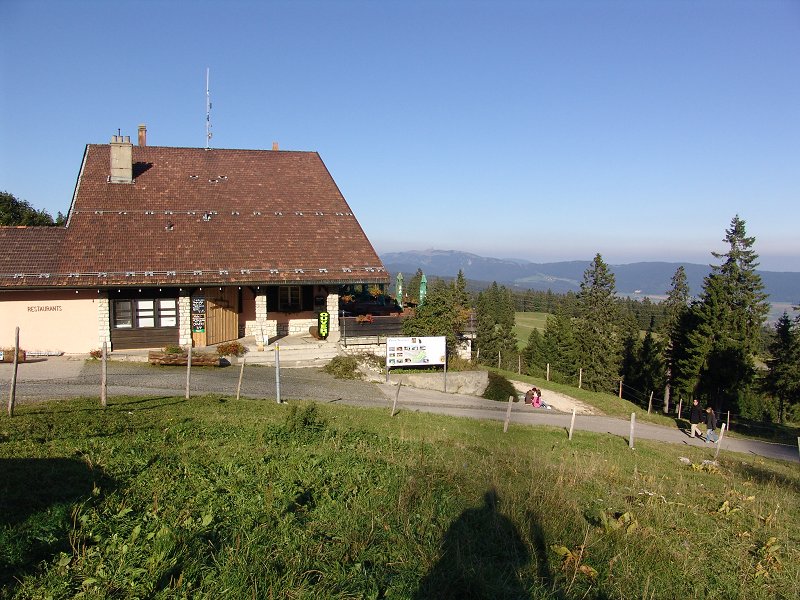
x,y
415,351
198,314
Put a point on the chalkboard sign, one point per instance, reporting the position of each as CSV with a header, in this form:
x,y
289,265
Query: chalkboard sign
x,y
198,305
198,314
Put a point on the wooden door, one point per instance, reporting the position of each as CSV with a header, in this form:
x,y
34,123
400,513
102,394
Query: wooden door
x,y
222,318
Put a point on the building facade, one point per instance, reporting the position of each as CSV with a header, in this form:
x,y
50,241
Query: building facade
x,y
170,245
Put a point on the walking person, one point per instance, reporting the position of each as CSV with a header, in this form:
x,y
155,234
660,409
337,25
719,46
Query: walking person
x,y
711,422
694,419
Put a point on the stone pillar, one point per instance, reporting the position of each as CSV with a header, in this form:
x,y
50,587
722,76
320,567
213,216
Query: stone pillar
x,y
184,318
103,319
261,330
333,310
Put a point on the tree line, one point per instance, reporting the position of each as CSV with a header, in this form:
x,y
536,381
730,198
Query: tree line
x,y
715,347
20,212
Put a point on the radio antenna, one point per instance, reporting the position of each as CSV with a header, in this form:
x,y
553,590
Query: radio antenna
x,y
208,113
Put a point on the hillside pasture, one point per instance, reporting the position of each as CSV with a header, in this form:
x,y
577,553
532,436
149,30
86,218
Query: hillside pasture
x,y
220,498
525,323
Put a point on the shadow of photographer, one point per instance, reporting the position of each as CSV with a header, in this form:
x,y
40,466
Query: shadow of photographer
x,y
482,557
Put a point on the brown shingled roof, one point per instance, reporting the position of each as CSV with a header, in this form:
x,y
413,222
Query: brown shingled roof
x,y
196,216
30,253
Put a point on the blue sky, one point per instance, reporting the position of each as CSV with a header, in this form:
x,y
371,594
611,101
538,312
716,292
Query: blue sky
x,y
537,130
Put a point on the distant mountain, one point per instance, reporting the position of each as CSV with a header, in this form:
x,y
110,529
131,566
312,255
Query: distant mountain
x,y
641,278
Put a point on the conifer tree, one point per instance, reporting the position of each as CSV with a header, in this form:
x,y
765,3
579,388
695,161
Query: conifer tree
x,y
726,324
559,348
676,306
495,326
783,377
599,327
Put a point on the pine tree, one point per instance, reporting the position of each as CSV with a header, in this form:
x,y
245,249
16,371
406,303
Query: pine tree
x,y
412,289
559,346
783,377
599,327
675,307
495,326
720,349
436,317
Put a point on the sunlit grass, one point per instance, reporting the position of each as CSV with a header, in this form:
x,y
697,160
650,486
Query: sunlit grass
x,y
218,498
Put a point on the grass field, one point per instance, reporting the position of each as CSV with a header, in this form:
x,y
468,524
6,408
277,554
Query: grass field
x,y
525,322
217,498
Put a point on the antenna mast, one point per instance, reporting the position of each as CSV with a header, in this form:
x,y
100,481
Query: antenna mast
x,y
208,113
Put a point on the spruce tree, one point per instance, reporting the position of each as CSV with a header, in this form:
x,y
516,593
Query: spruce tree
x,y
721,347
675,307
598,327
559,347
783,378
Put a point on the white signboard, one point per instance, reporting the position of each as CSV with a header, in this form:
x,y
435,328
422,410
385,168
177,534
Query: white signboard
x,y
415,351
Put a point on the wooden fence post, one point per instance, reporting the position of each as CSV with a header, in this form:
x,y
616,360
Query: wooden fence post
x,y
277,374
680,406
508,414
104,377
620,388
580,378
719,441
633,426
241,374
548,371
396,396
12,395
650,403
572,423
188,369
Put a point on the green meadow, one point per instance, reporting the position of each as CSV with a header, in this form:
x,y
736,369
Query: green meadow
x,y
525,323
218,498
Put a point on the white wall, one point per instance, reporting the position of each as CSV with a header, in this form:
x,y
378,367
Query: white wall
x,y
58,321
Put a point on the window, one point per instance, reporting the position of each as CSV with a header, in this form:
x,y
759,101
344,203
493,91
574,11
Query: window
x,y
289,298
123,314
168,312
145,313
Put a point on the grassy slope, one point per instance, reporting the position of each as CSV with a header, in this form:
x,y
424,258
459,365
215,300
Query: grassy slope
x,y
525,322
217,498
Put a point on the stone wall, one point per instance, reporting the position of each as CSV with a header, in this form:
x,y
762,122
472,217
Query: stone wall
x,y
472,383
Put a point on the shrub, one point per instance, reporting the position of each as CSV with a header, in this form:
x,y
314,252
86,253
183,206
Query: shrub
x,y
499,388
343,367
96,354
234,348
456,363
173,349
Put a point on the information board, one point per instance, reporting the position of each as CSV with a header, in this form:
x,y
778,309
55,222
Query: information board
x,y
415,351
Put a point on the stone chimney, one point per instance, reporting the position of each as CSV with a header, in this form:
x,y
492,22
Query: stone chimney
x,y
274,146
143,135
121,159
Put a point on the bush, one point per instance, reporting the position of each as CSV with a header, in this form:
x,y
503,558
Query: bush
x,y
96,354
234,348
173,349
456,363
499,388
343,367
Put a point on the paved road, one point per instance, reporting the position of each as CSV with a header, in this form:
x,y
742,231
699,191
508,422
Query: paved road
x,y
62,377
